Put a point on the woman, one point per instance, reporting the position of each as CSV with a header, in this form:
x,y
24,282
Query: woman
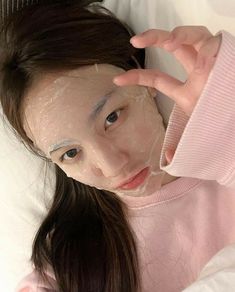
x,y
119,221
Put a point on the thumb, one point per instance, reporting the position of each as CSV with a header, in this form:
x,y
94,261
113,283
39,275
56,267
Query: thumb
x,y
169,154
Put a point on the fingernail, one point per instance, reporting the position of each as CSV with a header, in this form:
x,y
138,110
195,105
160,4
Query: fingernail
x,y
132,39
116,80
135,37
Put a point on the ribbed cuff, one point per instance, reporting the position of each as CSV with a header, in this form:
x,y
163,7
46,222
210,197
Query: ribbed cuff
x,y
205,142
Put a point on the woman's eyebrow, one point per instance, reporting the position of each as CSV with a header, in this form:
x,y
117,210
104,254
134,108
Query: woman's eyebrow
x,y
99,106
60,144
96,110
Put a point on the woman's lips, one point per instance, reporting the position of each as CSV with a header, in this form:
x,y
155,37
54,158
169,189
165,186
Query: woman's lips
x,y
136,180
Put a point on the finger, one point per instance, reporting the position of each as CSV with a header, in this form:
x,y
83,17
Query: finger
x,y
207,52
188,35
151,37
152,78
193,87
169,154
187,56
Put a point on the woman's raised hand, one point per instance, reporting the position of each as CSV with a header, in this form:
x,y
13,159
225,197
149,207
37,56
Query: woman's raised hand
x,y
193,46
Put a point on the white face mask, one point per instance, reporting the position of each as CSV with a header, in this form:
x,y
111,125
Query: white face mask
x,y
108,133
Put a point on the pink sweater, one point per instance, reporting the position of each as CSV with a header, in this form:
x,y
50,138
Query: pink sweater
x,y
182,225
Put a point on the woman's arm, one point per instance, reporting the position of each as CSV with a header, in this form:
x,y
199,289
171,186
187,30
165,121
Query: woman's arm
x,y
205,142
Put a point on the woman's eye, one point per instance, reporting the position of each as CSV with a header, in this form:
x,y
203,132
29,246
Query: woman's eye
x,y
112,118
69,155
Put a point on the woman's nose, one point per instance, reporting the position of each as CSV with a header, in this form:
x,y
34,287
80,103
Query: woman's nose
x,y
107,159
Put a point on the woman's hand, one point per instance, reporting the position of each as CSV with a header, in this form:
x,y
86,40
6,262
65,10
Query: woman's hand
x,y
193,46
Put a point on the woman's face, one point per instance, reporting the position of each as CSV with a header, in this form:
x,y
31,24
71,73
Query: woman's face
x,y
106,134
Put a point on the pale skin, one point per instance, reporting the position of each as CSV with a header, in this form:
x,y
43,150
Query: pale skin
x,y
122,139
194,47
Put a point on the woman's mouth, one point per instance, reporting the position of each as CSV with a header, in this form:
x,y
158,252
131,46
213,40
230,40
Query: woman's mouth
x,y
135,181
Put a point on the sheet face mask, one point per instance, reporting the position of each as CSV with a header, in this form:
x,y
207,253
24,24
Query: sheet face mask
x,y
116,131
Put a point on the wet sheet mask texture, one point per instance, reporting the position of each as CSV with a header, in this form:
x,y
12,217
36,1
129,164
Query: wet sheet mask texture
x,y
117,131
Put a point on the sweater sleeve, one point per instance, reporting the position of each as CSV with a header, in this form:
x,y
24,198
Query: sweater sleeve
x,y
205,141
34,283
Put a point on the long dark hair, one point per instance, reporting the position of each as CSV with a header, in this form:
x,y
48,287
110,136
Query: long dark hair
x,y
86,237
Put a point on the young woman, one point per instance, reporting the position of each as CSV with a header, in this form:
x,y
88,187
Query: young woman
x,y
121,219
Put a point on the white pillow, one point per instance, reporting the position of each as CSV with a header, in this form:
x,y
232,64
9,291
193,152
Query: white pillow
x,y
23,198
23,205
219,273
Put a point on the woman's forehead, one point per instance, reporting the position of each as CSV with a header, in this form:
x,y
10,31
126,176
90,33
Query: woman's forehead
x,y
83,86
64,94
83,78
